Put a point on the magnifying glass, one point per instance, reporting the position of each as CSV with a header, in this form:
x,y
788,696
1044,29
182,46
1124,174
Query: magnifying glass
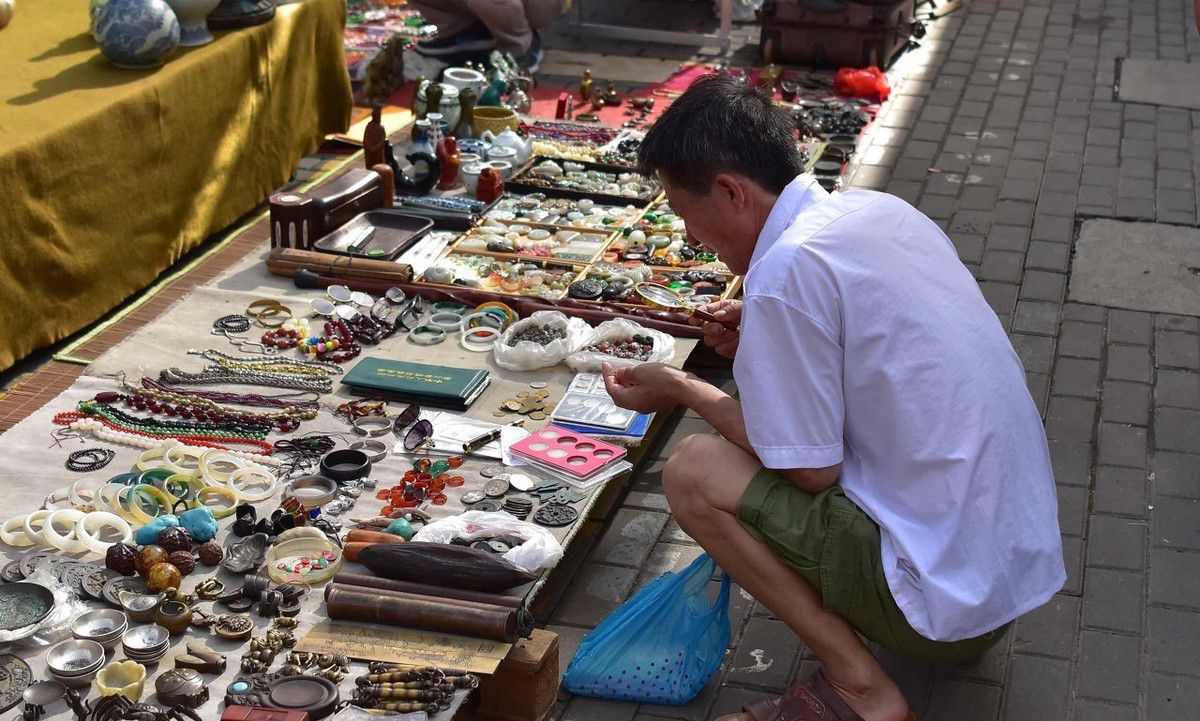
x,y
663,298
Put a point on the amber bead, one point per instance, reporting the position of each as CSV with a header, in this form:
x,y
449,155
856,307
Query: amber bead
x,y
175,538
163,576
121,557
454,461
147,558
183,560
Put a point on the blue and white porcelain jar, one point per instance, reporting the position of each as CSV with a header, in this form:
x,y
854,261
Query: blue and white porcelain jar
x,y
136,34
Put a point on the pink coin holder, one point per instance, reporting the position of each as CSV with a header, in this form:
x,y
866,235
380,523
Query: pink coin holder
x,y
568,451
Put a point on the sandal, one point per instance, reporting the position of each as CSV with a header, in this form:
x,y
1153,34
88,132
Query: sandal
x,y
816,700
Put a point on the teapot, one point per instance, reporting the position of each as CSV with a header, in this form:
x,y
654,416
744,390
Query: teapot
x,y
509,139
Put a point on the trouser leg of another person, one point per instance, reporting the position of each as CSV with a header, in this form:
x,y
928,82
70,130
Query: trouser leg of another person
x,y
450,16
704,480
507,21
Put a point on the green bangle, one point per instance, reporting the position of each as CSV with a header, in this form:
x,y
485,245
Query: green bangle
x,y
451,306
426,335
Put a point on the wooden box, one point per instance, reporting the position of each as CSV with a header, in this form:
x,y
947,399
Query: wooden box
x,y
525,686
860,33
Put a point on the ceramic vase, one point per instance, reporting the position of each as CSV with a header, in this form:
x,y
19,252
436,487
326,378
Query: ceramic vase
x,y
193,21
6,13
136,34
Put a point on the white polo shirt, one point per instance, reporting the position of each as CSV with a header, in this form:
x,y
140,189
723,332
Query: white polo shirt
x,y
866,342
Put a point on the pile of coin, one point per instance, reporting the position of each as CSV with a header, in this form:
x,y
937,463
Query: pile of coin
x,y
518,506
532,403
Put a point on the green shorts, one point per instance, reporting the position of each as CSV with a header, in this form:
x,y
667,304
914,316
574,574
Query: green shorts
x,y
834,545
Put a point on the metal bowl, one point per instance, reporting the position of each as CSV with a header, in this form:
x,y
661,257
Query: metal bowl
x,y
24,604
145,640
75,658
105,626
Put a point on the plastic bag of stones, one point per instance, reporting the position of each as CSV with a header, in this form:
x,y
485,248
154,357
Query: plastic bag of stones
x,y
543,339
652,346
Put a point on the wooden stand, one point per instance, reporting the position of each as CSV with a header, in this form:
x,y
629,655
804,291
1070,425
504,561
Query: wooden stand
x,y
525,686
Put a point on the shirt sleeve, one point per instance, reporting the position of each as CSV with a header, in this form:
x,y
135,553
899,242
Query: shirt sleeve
x,y
789,378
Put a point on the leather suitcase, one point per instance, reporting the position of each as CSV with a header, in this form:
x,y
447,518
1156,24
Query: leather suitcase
x,y
837,33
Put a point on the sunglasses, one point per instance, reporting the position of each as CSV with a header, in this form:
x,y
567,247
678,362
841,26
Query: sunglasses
x,y
419,431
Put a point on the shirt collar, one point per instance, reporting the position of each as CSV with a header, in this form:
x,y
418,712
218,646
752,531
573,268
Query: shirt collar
x,y
799,195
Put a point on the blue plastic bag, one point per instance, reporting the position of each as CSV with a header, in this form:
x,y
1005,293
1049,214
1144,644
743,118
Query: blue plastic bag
x,y
661,646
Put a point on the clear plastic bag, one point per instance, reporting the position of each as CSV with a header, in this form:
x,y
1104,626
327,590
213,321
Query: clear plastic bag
x,y
540,549
590,361
661,646
527,355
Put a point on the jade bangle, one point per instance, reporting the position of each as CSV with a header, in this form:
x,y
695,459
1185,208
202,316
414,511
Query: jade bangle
x,y
222,492
426,335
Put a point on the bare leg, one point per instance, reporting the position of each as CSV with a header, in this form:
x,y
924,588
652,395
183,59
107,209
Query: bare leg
x,y
704,481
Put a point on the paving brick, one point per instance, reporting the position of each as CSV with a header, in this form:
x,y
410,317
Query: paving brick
x,y
1120,491
1171,643
685,428
648,500
666,557
1072,509
953,700
1175,429
1008,237
592,709
1048,256
1174,523
1177,350
1070,419
569,638
1120,444
629,538
1127,326
1167,321
1175,577
1002,297
1178,388
1129,363
1108,666
1035,351
1073,560
1050,629
1091,710
1113,599
1037,689
1002,266
731,699
1176,474
1043,285
1125,402
594,593
1072,462
694,710
1076,377
1083,313
764,656
1116,542
1171,698
674,534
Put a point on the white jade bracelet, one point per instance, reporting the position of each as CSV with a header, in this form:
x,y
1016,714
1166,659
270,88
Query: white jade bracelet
x,y
64,541
254,477
98,520
13,533
35,534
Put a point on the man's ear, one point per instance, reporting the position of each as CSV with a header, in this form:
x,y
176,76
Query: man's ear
x,y
730,188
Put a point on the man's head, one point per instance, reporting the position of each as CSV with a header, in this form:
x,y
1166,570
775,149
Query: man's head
x,y
724,153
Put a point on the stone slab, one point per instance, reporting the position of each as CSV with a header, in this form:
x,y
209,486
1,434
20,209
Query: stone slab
x,y
1160,82
1139,266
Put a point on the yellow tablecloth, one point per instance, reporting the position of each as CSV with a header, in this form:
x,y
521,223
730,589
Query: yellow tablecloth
x,y
107,175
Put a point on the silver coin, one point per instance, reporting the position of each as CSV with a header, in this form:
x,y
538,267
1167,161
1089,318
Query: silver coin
x,y
539,384
496,487
520,482
473,497
491,471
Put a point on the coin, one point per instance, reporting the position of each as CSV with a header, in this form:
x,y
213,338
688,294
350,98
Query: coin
x,y
499,413
496,487
523,394
538,384
473,497
520,482
489,506
512,405
537,416
490,471
12,572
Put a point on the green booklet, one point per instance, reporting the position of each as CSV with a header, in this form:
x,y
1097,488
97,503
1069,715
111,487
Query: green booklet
x,y
417,382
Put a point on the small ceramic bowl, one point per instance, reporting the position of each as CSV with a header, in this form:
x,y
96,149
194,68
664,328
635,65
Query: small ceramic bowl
x,y
504,167
493,118
124,677
105,626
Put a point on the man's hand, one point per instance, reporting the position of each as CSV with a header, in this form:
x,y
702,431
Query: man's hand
x,y
645,388
717,336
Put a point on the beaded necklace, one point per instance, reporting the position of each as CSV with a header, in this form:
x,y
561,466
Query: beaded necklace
x,y
307,400
115,432
201,409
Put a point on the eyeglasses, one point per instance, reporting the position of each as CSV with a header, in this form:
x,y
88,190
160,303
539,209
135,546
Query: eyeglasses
x,y
419,431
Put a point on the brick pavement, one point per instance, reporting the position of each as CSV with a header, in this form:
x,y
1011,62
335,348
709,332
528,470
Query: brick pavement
x,y
1005,131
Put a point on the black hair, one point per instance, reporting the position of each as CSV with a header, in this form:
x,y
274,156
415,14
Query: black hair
x,y
722,124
